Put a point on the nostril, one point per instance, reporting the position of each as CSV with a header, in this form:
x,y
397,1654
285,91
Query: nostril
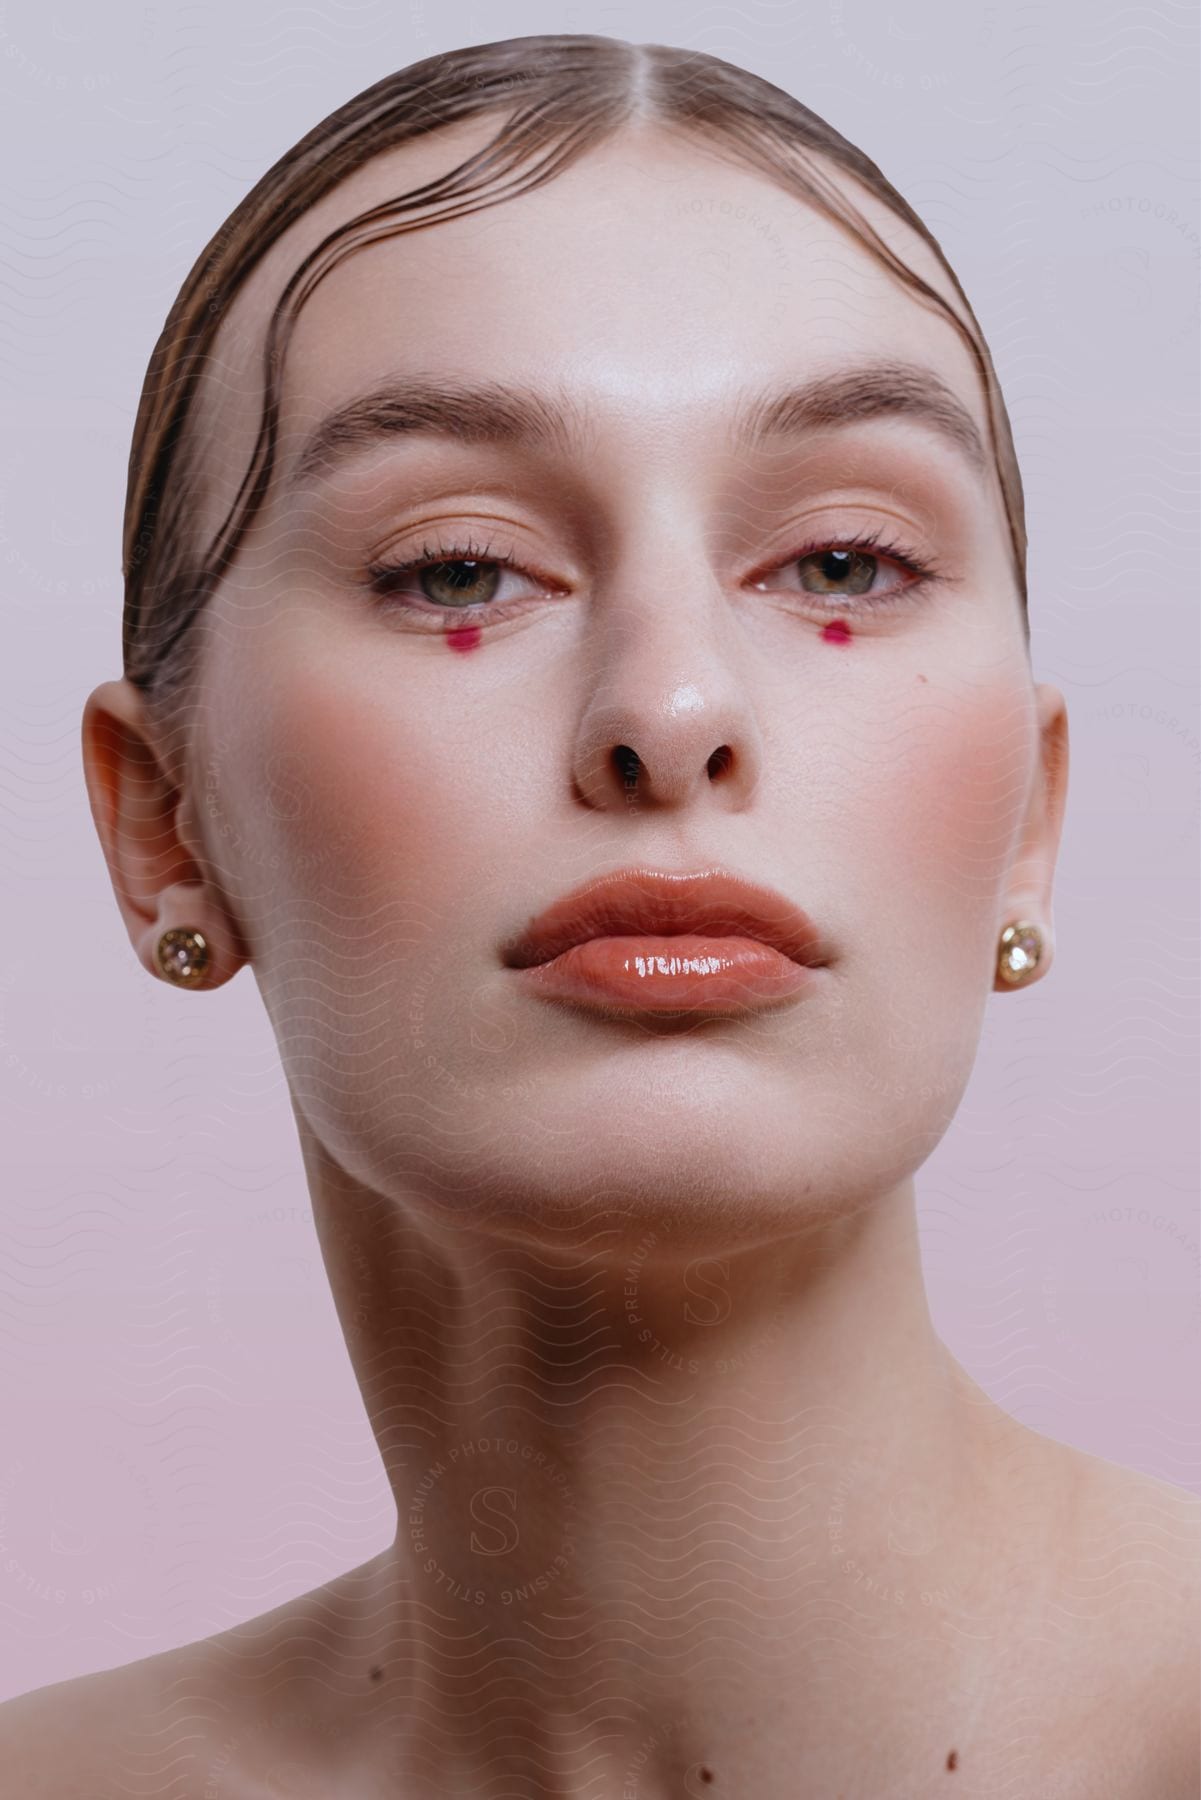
x,y
720,761
626,762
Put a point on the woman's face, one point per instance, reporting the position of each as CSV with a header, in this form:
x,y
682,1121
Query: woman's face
x,y
383,805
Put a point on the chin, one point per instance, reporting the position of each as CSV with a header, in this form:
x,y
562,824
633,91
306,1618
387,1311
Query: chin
x,y
723,1162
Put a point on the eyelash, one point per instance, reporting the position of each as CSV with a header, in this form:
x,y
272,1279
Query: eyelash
x,y
380,577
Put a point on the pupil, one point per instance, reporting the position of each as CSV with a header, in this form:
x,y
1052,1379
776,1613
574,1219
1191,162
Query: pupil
x,y
450,573
462,576
843,568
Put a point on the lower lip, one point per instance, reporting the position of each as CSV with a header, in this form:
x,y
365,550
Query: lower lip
x,y
672,974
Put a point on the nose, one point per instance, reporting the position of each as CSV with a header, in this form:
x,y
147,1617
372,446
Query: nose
x,y
668,722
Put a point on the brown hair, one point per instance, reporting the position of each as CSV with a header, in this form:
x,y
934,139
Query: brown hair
x,y
556,93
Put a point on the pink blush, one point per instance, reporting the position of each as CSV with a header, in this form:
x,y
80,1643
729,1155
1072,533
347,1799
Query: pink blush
x,y
465,638
836,632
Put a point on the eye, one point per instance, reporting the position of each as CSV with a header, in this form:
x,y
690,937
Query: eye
x,y
463,579
846,569
448,577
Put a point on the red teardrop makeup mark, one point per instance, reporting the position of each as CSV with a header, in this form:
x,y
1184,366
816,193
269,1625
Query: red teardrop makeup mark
x,y
836,632
466,637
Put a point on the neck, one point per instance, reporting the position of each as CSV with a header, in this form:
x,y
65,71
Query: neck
x,y
653,1505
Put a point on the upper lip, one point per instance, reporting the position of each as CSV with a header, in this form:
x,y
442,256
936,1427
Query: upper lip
x,y
711,902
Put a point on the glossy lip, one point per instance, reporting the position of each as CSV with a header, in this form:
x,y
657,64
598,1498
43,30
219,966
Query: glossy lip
x,y
614,940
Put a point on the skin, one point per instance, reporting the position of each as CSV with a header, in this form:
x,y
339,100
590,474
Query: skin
x,y
750,1529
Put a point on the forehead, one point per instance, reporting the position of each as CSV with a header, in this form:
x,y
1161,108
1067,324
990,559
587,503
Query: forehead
x,y
652,277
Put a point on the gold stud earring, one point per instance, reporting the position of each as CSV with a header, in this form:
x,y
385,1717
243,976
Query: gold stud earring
x,y
183,956
1019,952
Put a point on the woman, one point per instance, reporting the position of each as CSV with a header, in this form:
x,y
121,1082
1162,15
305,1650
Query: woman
x,y
637,560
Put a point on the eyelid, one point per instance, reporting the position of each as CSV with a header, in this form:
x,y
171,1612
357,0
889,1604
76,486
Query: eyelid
x,y
881,539
452,531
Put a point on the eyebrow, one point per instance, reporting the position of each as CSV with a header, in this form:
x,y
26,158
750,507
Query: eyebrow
x,y
500,413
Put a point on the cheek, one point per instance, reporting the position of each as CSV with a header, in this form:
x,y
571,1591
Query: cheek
x,y
363,792
926,786
958,786
947,781
926,852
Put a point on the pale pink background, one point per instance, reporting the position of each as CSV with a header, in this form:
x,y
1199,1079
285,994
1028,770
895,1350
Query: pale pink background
x,y
182,1442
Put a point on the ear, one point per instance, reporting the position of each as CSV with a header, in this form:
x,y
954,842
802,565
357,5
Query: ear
x,y
137,808
1029,891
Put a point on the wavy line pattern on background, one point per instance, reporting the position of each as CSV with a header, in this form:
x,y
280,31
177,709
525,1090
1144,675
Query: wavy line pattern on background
x,y
165,1301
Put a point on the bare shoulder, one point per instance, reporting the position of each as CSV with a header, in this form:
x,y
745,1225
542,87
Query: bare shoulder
x,y
79,1739
235,1715
1127,1607
1138,1542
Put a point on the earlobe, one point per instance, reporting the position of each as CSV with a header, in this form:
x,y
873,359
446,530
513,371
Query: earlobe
x,y
159,887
